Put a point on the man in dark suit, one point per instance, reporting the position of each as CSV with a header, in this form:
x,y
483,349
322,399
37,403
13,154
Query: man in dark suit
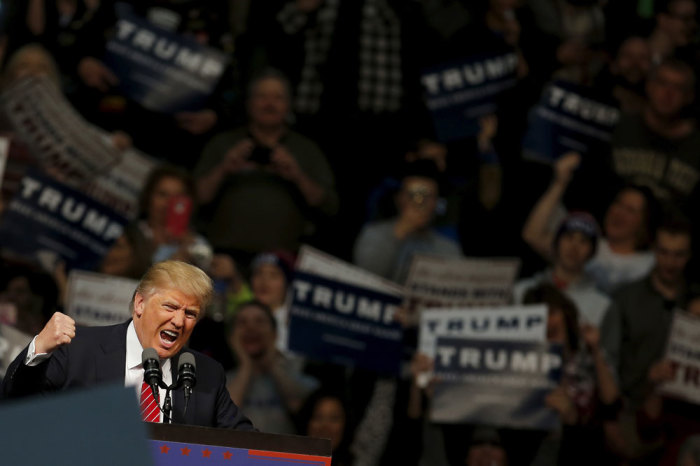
x,y
166,306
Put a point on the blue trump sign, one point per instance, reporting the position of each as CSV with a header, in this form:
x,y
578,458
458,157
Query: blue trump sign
x,y
161,70
345,324
48,216
567,119
458,93
499,383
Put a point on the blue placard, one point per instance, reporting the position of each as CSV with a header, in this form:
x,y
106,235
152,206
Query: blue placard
x,y
458,93
498,383
568,119
163,71
345,324
48,216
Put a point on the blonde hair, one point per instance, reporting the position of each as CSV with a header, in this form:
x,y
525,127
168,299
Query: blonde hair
x,y
178,275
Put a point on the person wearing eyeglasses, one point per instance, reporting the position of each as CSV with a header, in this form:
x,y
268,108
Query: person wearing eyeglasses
x,y
386,247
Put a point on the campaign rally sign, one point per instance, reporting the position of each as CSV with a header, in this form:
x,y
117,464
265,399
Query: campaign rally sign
x,y
495,382
161,70
683,350
568,119
65,145
48,217
511,323
120,187
313,261
345,324
70,149
98,299
458,93
435,281
12,342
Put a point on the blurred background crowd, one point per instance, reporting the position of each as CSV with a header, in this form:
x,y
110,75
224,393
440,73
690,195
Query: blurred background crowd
x,y
318,133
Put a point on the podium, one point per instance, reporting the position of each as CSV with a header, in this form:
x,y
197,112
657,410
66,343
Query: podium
x,y
103,426
180,445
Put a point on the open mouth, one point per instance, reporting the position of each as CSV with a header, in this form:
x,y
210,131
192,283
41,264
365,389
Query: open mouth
x,y
168,336
252,344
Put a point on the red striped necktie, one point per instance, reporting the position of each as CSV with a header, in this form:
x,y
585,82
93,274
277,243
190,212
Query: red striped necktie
x,y
150,411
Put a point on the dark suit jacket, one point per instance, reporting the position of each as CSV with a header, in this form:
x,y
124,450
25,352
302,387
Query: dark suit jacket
x,y
97,355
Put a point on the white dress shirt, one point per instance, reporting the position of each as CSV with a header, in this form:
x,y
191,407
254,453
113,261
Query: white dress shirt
x,y
133,372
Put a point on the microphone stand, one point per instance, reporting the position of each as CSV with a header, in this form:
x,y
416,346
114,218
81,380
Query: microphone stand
x,y
167,407
180,381
167,402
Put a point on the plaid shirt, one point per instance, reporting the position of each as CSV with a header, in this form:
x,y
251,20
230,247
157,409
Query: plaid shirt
x,y
380,76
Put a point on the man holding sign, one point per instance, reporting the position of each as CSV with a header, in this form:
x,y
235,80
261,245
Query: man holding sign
x,y
166,306
636,326
157,70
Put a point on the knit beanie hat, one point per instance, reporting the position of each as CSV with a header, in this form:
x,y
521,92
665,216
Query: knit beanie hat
x,y
581,222
282,259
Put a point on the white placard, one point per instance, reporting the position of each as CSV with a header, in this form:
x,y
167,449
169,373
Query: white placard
x,y
12,342
120,187
98,299
512,323
683,350
66,145
435,281
313,261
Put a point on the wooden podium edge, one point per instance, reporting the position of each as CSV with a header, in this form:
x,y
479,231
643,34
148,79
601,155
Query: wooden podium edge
x,y
296,444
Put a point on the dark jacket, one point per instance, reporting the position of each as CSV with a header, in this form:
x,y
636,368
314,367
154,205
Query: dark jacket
x,y
97,355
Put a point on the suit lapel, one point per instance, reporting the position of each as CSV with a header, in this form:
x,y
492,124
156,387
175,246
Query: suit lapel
x,y
111,362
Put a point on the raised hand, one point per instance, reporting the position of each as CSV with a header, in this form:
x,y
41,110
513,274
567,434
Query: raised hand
x,y
661,371
591,336
236,159
564,167
560,401
308,5
196,122
283,163
95,74
58,331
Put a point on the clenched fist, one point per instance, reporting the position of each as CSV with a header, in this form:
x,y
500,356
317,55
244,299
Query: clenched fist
x,y
58,331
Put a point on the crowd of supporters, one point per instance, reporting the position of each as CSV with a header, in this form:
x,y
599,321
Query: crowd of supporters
x,y
318,133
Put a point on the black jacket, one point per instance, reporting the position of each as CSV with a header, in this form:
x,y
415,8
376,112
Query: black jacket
x,y
97,355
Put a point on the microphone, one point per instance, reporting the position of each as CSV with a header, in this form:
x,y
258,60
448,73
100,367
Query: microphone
x,y
187,375
151,370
